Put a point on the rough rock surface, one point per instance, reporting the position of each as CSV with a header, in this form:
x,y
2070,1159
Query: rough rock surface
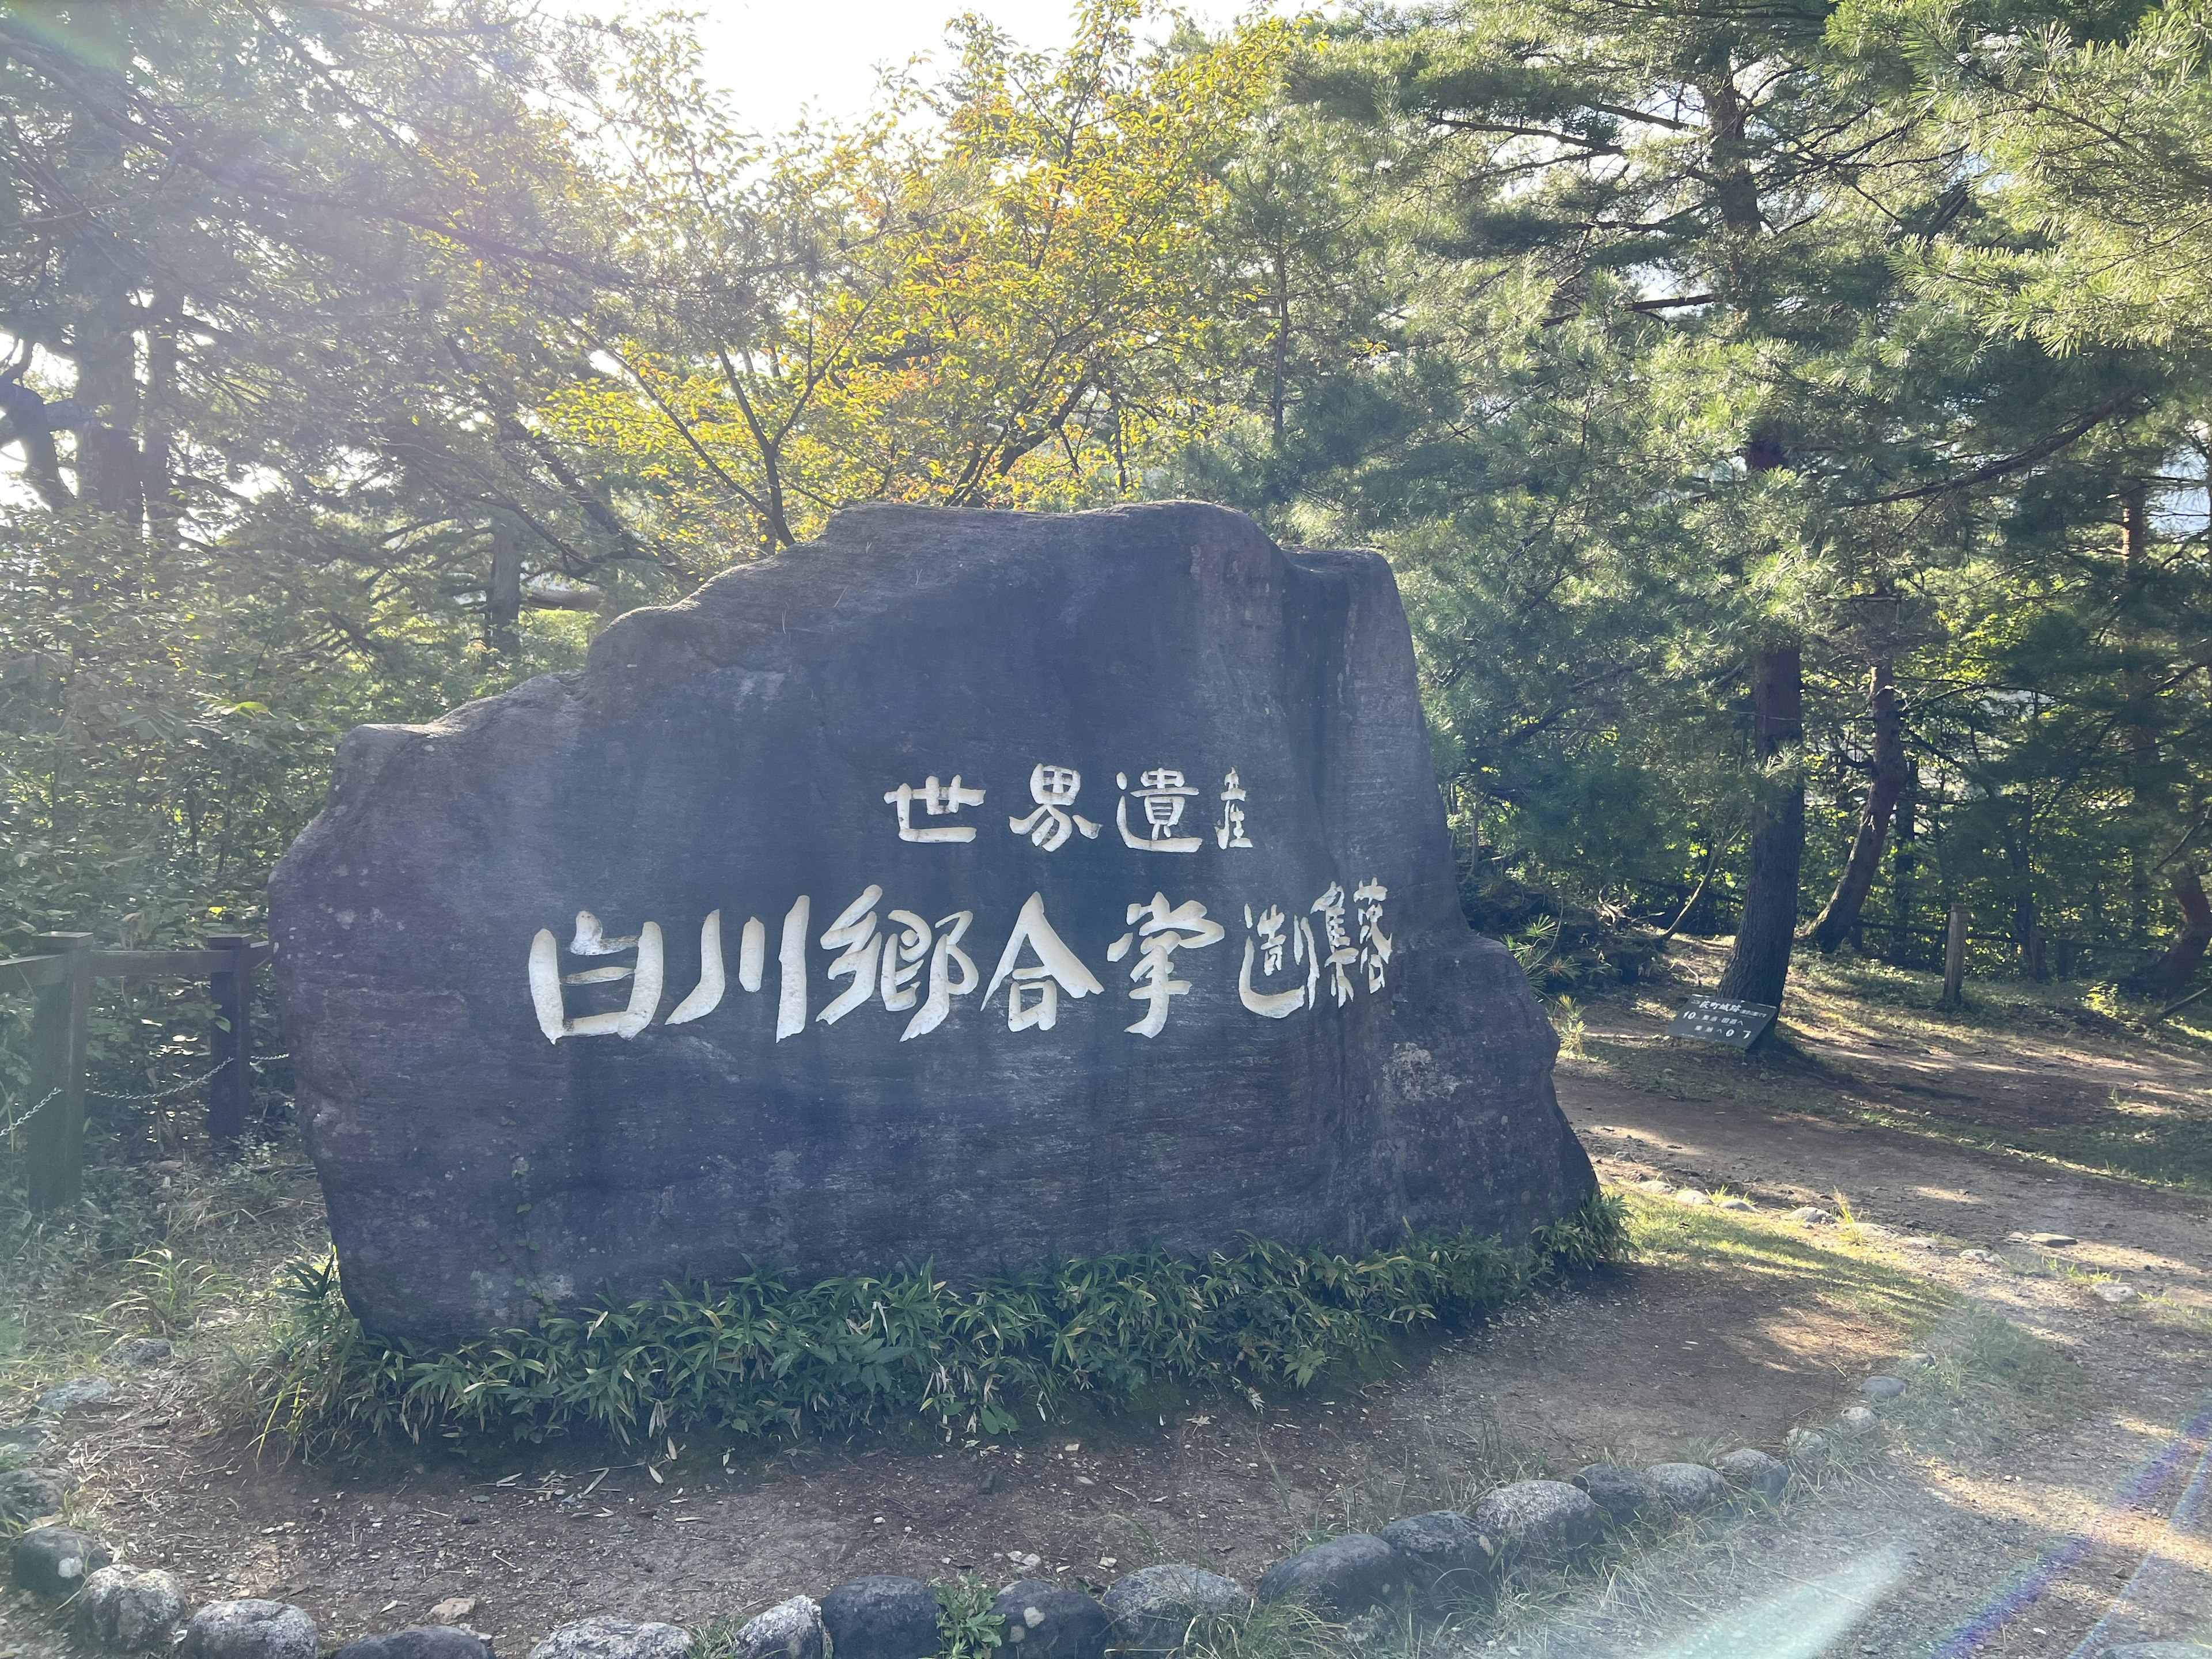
x,y
55,1561
418,1642
133,1609
789,1630
28,1439
76,1393
1621,1491
1882,1388
1044,1621
1152,1607
27,1494
1443,1551
1687,1488
1544,1520
1342,1578
139,1351
881,1617
1754,1471
614,1638
970,1050
250,1629
1807,1448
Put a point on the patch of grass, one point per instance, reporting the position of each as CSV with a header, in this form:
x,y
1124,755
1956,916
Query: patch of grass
x,y
1698,1235
1272,1630
1991,1383
762,1356
166,1293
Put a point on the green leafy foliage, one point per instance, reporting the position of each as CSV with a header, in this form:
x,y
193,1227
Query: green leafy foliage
x,y
762,1356
966,1627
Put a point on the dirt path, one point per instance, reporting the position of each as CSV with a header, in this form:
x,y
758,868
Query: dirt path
x,y
1732,1339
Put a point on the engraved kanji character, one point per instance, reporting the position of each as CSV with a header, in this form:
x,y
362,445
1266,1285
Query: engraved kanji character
x,y
714,981
1049,823
1373,944
1329,906
791,970
1266,942
855,934
937,801
1164,794
547,982
1165,932
1230,832
1057,968
915,941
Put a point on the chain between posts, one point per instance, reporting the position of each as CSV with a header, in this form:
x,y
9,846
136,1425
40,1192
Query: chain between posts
x,y
52,1095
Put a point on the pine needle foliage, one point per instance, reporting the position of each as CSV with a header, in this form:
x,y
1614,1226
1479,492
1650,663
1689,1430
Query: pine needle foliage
x,y
761,1356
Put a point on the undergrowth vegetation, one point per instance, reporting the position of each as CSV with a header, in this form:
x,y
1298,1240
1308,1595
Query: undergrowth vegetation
x,y
760,1355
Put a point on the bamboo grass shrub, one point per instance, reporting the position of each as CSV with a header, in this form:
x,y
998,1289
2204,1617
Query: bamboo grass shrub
x,y
760,1355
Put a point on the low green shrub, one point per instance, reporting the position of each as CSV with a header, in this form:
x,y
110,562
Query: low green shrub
x,y
760,1355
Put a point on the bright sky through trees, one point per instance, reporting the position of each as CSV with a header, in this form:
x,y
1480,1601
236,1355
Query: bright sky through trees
x,y
781,60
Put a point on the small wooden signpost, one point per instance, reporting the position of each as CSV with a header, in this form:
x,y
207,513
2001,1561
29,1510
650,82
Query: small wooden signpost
x,y
1723,1019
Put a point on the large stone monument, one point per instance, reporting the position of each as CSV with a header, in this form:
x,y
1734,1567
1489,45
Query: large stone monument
x,y
965,886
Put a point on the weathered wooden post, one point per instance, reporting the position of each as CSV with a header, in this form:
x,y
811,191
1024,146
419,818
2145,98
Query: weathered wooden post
x,y
1955,960
230,1043
54,1137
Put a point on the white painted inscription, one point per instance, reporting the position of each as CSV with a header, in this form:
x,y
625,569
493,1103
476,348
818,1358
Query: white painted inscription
x,y
1049,824
1164,794
910,965
937,801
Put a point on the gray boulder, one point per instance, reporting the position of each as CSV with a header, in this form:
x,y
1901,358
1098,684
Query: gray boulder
x,y
1752,1470
139,1351
27,1494
133,1609
1687,1488
689,862
250,1629
75,1394
1444,1552
1045,1622
614,1638
789,1630
55,1561
881,1617
1855,1419
27,1439
1341,1578
1882,1388
418,1642
1622,1492
1806,1447
1154,1607
1538,1520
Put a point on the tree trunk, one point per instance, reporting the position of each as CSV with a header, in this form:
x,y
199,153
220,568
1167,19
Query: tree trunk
x,y
2166,978
1282,345
1903,865
503,596
1841,917
1759,962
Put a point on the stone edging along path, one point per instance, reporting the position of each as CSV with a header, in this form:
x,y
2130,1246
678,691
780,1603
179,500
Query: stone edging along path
x,y
1428,1559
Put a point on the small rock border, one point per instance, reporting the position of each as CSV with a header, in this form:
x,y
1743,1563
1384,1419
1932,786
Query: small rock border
x,y
1360,1579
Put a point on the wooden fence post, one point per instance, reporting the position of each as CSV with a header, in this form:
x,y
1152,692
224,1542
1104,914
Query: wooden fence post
x,y
1955,961
54,1139
230,1045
